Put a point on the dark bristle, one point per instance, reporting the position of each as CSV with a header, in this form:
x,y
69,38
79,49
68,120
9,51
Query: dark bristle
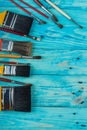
x,y
23,70
22,98
29,85
81,26
60,26
37,57
22,48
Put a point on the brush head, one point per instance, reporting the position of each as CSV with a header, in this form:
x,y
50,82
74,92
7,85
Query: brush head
x,y
37,57
54,18
60,26
23,70
21,24
22,98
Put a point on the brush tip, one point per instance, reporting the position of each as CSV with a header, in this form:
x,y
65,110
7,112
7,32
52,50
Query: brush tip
x,y
37,57
81,26
28,85
60,26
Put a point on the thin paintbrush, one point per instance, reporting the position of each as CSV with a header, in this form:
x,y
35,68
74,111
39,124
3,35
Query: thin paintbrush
x,y
18,56
19,33
53,17
13,81
34,9
63,13
38,19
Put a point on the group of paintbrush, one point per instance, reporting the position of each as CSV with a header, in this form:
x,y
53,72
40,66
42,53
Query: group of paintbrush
x,y
16,98
16,49
53,17
21,25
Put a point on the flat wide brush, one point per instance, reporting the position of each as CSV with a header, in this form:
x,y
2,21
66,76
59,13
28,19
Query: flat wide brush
x,y
15,98
53,17
17,69
63,13
17,24
19,47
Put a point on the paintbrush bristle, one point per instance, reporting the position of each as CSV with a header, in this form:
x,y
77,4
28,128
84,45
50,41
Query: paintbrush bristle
x,y
81,26
37,57
22,98
60,26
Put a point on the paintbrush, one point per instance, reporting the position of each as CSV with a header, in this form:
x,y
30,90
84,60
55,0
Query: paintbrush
x,y
33,8
14,69
17,24
53,17
19,47
13,81
63,13
29,13
16,98
19,56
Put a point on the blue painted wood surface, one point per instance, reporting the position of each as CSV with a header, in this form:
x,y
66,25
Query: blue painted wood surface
x,y
59,91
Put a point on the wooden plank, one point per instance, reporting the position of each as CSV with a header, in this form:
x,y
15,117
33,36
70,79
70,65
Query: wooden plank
x,y
58,62
45,118
75,39
64,91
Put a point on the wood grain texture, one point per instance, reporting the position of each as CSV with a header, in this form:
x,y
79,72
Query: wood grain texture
x,y
59,91
46,118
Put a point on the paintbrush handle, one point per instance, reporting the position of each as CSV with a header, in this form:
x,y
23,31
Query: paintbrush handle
x,y
9,56
58,9
39,3
5,62
5,80
34,9
17,56
17,33
42,6
29,13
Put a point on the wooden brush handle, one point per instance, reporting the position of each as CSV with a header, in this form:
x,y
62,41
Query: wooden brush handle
x,y
5,80
38,2
9,56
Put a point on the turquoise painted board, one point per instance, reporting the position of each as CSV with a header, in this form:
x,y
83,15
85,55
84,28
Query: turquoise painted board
x,y
59,91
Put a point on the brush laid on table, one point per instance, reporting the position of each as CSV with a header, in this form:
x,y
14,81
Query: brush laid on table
x,y
17,49
15,98
19,56
17,24
63,13
14,69
53,17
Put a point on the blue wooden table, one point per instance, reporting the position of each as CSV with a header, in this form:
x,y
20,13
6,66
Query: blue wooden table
x,y
59,91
